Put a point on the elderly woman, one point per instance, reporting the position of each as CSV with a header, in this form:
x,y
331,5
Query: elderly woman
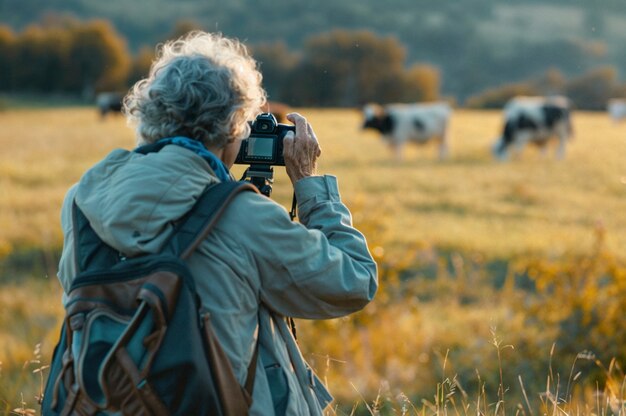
x,y
256,266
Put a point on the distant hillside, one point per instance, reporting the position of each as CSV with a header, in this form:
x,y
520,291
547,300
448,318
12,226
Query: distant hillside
x,y
476,43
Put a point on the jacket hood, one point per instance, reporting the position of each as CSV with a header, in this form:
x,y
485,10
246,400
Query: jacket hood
x,y
132,200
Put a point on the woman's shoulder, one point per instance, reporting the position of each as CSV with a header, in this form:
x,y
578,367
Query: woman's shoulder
x,y
251,210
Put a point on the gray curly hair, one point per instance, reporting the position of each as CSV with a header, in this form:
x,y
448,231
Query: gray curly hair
x,y
202,86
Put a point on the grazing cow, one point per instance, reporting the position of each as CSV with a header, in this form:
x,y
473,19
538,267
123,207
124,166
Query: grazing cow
x,y
617,109
534,120
109,102
417,123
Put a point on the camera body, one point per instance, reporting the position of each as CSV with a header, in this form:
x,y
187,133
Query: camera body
x,y
264,146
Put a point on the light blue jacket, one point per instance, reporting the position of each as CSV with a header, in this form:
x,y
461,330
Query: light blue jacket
x,y
255,268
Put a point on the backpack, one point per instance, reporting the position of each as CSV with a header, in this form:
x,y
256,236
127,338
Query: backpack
x,y
135,340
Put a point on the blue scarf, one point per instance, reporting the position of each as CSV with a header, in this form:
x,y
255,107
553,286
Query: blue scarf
x,y
218,167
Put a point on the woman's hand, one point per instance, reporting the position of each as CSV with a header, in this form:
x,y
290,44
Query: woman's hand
x,y
301,149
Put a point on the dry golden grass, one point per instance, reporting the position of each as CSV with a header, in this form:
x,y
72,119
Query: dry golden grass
x,y
29,327
532,204
43,153
435,227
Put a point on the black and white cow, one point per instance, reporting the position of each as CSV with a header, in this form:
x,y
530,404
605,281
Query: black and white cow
x,y
534,120
109,102
417,123
617,109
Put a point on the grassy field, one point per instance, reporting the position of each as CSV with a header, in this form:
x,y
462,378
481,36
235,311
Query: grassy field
x,y
458,324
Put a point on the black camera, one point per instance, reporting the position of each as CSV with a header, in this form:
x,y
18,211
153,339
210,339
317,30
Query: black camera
x,y
264,146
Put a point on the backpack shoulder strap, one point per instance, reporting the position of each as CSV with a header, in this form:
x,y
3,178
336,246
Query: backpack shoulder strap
x,y
192,230
89,250
198,223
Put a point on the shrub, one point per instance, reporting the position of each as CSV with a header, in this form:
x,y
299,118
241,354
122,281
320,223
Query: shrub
x,y
584,298
496,98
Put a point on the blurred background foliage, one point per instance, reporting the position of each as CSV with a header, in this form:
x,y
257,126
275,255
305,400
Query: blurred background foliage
x,y
477,53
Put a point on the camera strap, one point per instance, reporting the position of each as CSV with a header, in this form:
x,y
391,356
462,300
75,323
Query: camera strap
x,y
294,204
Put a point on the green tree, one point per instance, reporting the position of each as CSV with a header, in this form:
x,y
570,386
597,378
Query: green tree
x,y
592,90
421,83
41,59
276,63
98,57
348,68
140,66
552,82
57,43
7,50
499,96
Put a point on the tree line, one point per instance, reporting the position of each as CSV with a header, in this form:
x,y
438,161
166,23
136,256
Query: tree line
x,y
589,91
339,68
75,58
